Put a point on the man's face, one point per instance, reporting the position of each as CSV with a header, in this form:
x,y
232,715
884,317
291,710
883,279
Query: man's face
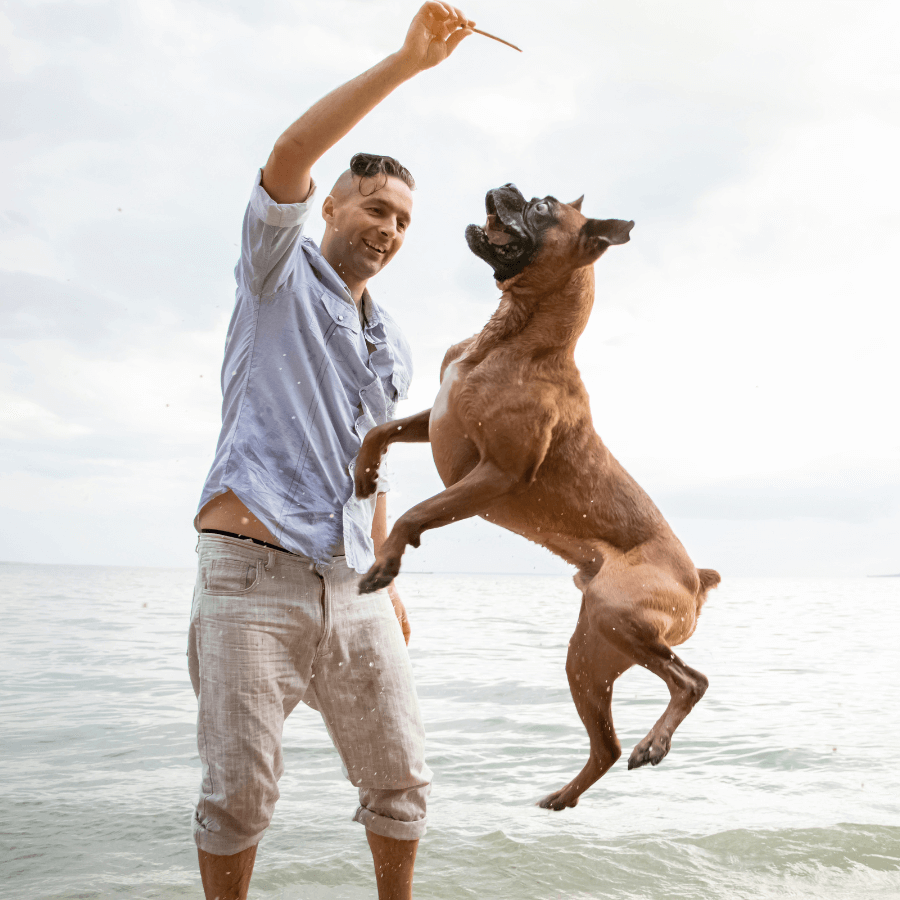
x,y
366,226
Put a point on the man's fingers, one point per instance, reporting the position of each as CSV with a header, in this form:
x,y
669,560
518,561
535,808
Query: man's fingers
x,y
400,612
435,12
436,31
447,17
454,40
462,18
404,627
439,9
451,36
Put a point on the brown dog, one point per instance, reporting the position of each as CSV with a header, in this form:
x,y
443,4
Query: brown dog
x,y
514,443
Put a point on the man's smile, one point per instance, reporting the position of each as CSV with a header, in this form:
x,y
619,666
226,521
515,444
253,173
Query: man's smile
x,y
379,250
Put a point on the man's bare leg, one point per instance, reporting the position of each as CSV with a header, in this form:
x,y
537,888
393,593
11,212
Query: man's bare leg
x,y
394,861
227,877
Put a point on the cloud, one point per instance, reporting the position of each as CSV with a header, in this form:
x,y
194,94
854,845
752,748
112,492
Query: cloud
x,y
36,307
23,420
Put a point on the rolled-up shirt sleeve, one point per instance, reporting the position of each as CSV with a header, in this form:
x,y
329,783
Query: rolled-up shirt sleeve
x,y
269,239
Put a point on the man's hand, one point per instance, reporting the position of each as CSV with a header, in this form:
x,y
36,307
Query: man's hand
x,y
434,34
399,611
379,535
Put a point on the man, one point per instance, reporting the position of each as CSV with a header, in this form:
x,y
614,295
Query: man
x,y
311,363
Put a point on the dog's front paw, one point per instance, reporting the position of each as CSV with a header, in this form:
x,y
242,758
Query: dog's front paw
x,y
365,477
380,575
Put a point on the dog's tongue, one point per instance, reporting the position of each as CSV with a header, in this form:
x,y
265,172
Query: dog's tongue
x,y
494,232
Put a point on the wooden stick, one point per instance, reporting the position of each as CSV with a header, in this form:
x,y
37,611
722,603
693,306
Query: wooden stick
x,y
494,37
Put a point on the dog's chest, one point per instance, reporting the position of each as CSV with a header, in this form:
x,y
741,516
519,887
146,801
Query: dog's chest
x,y
449,429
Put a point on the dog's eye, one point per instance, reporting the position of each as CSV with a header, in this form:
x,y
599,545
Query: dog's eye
x,y
542,207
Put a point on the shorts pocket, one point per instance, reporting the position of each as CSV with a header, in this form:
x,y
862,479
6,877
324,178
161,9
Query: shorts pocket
x,y
233,576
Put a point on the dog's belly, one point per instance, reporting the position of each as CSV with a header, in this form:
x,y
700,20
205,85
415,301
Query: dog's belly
x,y
561,535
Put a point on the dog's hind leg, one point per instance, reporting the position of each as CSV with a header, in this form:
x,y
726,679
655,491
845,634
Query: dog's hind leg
x,y
641,610
592,666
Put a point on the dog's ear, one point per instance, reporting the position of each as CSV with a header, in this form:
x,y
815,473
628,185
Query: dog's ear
x,y
598,234
609,231
576,204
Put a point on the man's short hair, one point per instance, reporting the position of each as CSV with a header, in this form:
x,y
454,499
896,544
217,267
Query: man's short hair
x,y
371,165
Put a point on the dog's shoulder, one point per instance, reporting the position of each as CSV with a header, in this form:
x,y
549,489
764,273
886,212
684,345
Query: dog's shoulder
x,y
455,352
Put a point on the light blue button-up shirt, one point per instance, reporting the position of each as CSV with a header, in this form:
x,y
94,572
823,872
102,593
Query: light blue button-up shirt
x,y
301,389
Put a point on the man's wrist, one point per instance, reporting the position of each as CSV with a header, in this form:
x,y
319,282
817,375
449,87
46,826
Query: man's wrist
x,y
403,66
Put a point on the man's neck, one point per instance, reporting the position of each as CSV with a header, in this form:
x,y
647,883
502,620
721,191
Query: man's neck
x,y
356,292
355,287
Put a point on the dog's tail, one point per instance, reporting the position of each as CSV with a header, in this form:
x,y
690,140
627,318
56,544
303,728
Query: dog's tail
x,y
709,578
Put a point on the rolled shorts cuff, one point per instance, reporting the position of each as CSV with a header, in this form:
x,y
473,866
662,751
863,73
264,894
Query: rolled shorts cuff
x,y
221,844
390,828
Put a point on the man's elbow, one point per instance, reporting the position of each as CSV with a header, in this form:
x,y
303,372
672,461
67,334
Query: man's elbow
x,y
286,176
289,148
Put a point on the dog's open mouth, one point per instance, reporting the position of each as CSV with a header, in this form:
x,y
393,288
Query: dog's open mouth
x,y
496,233
504,242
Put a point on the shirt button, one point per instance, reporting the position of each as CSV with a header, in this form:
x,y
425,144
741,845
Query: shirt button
x,y
340,318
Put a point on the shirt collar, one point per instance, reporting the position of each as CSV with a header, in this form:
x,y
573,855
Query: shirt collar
x,y
372,312
326,274
373,319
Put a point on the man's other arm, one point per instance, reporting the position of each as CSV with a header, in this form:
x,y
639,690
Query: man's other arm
x,y
433,35
379,535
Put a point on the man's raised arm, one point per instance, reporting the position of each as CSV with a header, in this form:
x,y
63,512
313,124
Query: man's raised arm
x,y
434,34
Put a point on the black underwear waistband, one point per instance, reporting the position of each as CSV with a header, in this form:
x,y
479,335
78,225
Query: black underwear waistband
x,y
244,537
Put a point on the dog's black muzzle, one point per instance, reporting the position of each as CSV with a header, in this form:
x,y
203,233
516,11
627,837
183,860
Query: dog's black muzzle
x,y
508,207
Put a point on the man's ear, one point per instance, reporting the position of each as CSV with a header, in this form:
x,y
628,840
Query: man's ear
x,y
328,209
576,204
608,231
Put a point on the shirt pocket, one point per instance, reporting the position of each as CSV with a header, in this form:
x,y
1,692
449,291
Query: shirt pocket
x,y
233,576
399,382
342,312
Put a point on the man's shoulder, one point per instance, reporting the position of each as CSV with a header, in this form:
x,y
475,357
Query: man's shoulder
x,y
274,251
278,215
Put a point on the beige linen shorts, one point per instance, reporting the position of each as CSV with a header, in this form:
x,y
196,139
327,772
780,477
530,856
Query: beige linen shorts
x,y
268,631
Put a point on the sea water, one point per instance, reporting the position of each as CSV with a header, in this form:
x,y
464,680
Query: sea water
x,y
782,783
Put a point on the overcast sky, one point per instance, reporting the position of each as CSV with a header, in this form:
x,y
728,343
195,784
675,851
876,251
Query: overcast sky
x,y
742,358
